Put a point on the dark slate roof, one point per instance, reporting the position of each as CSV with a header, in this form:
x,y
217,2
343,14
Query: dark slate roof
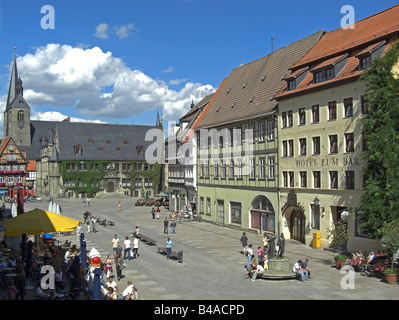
x,y
97,141
250,88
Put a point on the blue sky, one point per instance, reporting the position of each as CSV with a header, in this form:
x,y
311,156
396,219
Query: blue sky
x,y
121,61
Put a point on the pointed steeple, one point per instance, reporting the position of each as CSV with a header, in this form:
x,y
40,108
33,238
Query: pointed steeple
x,y
15,87
158,122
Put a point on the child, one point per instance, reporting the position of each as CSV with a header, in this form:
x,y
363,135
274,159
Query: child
x,y
259,252
265,261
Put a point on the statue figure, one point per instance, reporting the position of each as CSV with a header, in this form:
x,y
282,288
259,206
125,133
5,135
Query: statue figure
x,y
281,245
272,247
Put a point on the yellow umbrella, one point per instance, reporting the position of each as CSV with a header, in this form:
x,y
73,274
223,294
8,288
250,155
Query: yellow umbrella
x,y
36,221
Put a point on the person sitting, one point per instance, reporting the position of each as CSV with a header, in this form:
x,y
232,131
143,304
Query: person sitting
x,y
358,257
299,271
370,257
252,267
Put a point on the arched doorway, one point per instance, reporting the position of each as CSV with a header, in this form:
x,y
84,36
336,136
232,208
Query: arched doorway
x,y
110,187
297,225
262,214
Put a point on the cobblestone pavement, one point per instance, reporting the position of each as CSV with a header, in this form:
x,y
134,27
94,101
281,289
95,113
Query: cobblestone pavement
x,y
212,267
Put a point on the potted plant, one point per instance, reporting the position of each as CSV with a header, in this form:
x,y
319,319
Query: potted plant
x,y
340,261
390,241
391,275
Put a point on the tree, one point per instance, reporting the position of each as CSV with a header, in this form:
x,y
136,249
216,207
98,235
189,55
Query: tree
x,y
380,201
390,237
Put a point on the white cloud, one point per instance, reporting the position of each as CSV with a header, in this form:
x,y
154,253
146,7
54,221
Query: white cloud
x,y
124,30
58,116
102,31
170,69
99,85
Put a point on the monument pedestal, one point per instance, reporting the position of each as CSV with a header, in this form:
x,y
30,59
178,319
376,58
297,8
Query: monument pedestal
x,y
279,269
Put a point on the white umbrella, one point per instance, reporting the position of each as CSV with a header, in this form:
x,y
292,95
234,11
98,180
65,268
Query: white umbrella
x,y
50,206
54,209
94,253
14,211
58,211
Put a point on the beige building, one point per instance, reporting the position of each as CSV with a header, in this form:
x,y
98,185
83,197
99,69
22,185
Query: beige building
x,y
321,110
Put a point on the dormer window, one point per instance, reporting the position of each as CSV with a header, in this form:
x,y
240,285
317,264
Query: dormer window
x,y
365,62
140,151
77,148
324,75
291,84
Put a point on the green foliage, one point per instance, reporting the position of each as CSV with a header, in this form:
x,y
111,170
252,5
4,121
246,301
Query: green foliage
x,y
92,177
380,201
390,237
154,175
340,258
391,271
339,234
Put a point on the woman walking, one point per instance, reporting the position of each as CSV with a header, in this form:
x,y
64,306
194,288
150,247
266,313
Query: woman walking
x,y
168,248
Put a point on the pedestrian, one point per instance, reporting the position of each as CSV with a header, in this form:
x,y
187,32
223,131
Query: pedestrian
x,y
137,231
259,252
108,266
158,212
250,255
111,283
119,206
173,225
118,266
20,281
165,226
88,202
264,242
94,224
135,247
244,243
168,248
127,248
11,290
114,243
127,294
153,212
78,232
305,266
135,294
118,250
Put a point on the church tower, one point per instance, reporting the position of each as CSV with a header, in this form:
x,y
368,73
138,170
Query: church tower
x,y
17,111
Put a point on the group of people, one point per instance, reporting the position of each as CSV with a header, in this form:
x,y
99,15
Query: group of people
x,y
255,265
166,226
91,223
358,257
302,270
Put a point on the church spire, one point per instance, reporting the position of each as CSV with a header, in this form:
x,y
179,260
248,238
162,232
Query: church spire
x,y
158,123
15,87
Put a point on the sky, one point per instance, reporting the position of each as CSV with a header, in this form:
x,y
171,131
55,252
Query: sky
x,y
122,61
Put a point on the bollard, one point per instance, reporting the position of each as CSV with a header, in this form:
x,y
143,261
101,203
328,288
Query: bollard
x,y
180,256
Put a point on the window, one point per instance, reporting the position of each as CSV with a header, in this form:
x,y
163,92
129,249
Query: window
x,y
316,179
235,212
302,147
350,180
333,179
77,149
324,75
231,169
261,131
262,174
216,169
290,119
239,169
285,178
208,206
201,167
223,170
333,143
252,168
303,176
291,84
315,216
271,163
315,113
250,133
349,142
290,148
270,130
365,62
284,119
318,77
202,204
291,175
10,180
332,110
207,169
316,145
20,116
140,151
348,106
365,105
302,116
285,148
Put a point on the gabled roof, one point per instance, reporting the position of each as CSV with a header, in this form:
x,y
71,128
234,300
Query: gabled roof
x,y
97,141
249,89
369,30
377,32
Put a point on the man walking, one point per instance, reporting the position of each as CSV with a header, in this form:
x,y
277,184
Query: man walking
x,y
114,244
165,226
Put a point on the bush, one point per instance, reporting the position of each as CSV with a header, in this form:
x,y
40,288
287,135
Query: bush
x,y
340,258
